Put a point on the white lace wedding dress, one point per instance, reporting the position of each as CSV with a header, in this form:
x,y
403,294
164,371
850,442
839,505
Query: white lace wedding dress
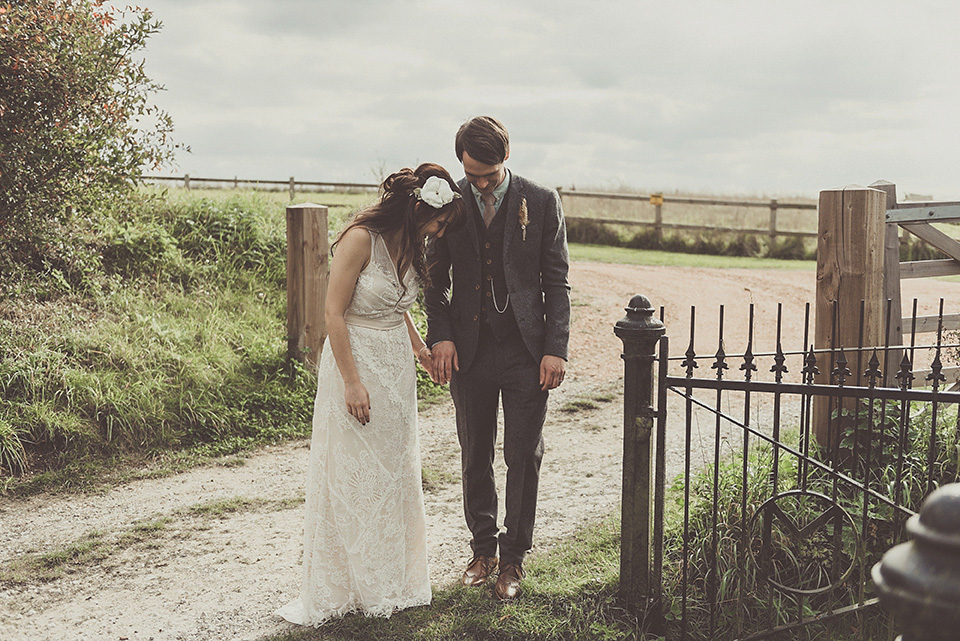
x,y
365,542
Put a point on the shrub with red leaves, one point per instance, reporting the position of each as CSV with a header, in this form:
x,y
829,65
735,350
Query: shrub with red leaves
x,y
76,124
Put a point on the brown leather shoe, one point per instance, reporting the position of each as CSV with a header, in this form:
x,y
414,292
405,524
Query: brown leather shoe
x,y
508,583
478,571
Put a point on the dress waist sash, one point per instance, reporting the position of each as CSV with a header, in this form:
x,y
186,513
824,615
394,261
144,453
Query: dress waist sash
x,y
381,322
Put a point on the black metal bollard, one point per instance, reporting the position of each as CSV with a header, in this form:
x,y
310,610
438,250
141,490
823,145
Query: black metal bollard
x,y
919,581
640,331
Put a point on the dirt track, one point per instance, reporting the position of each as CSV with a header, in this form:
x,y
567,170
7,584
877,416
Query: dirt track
x,y
193,572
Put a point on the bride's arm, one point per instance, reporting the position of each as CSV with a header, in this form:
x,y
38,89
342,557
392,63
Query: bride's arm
x,y
352,255
420,350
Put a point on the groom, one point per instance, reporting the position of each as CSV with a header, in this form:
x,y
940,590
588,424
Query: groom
x,y
501,337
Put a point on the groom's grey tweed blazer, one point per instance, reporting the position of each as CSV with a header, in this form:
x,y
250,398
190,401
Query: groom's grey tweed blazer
x,y
535,270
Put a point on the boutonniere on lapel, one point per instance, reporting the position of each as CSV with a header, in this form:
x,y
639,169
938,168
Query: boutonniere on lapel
x,y
523,218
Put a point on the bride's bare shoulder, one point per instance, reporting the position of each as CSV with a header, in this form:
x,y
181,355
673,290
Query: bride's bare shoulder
x,y
353,247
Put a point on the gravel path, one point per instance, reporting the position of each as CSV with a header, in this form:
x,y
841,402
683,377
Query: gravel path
x,y
211,553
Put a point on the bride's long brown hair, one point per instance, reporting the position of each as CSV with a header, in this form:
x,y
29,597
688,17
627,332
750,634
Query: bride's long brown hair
x,y
400,209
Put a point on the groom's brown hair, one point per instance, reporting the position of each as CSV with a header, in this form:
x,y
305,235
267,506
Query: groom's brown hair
x,y
485,139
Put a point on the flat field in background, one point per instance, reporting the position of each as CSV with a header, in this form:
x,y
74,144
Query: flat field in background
x,y
732,216
343,204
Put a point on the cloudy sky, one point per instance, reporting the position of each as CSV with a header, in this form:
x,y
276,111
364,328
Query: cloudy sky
x,y
745,97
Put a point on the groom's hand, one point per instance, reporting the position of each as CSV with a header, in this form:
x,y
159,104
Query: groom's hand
x,y
445,361
552,369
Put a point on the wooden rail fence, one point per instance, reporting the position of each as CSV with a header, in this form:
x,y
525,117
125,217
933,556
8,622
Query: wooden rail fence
x,y
293,185
659,201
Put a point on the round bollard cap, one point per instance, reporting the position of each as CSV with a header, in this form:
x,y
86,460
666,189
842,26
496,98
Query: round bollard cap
x,y
939,520
919,581
640,316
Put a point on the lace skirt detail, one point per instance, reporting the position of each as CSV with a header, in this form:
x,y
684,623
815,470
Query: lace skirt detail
x,y
365,543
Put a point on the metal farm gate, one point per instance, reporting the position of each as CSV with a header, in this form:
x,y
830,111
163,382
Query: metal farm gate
x,y
756,530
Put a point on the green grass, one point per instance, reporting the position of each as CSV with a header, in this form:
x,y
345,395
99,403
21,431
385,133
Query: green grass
x,y
341,204
97,547
221,508
570,594
174,352
578,405
433,479
170,352
651,257
90,549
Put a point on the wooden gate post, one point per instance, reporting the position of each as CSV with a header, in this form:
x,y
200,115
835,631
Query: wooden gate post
x,y
850,259
891,283
640,331
307,269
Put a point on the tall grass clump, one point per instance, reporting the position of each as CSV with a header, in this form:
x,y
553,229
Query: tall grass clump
x,y
173,345
720,570
180,346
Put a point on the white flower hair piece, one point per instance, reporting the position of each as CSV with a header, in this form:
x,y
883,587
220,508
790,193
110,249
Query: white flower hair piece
x,y
436,192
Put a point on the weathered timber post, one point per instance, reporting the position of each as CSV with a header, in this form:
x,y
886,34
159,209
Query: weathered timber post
x,y
773,221
849,270
640,331
293,188
186,182
891,281
307,268
657,201
919,581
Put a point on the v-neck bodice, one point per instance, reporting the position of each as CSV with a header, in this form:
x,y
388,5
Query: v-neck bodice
x,y
380,299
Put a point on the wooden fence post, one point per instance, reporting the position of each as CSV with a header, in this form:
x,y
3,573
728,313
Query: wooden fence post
x,y
657,201
307,268
891,279
849,270
186,181
293,188
773,221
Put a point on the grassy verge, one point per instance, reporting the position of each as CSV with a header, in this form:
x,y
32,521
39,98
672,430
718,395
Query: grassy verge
x,y
569,594
170,352
340,204
654,257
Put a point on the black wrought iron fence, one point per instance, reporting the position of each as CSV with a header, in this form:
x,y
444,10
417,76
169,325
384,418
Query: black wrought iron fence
x,y
758,530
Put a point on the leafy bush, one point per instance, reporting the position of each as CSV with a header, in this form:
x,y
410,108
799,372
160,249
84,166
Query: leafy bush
x,y
790,248
719,243
76,127
645,239
913,248
134,250
593,233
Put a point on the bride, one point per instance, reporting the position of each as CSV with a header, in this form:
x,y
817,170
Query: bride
x,y
365,545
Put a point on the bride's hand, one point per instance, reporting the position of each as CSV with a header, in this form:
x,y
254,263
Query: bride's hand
x,y
358,401
425,358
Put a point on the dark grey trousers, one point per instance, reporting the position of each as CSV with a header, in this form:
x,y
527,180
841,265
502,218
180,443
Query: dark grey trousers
x,y
501,370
